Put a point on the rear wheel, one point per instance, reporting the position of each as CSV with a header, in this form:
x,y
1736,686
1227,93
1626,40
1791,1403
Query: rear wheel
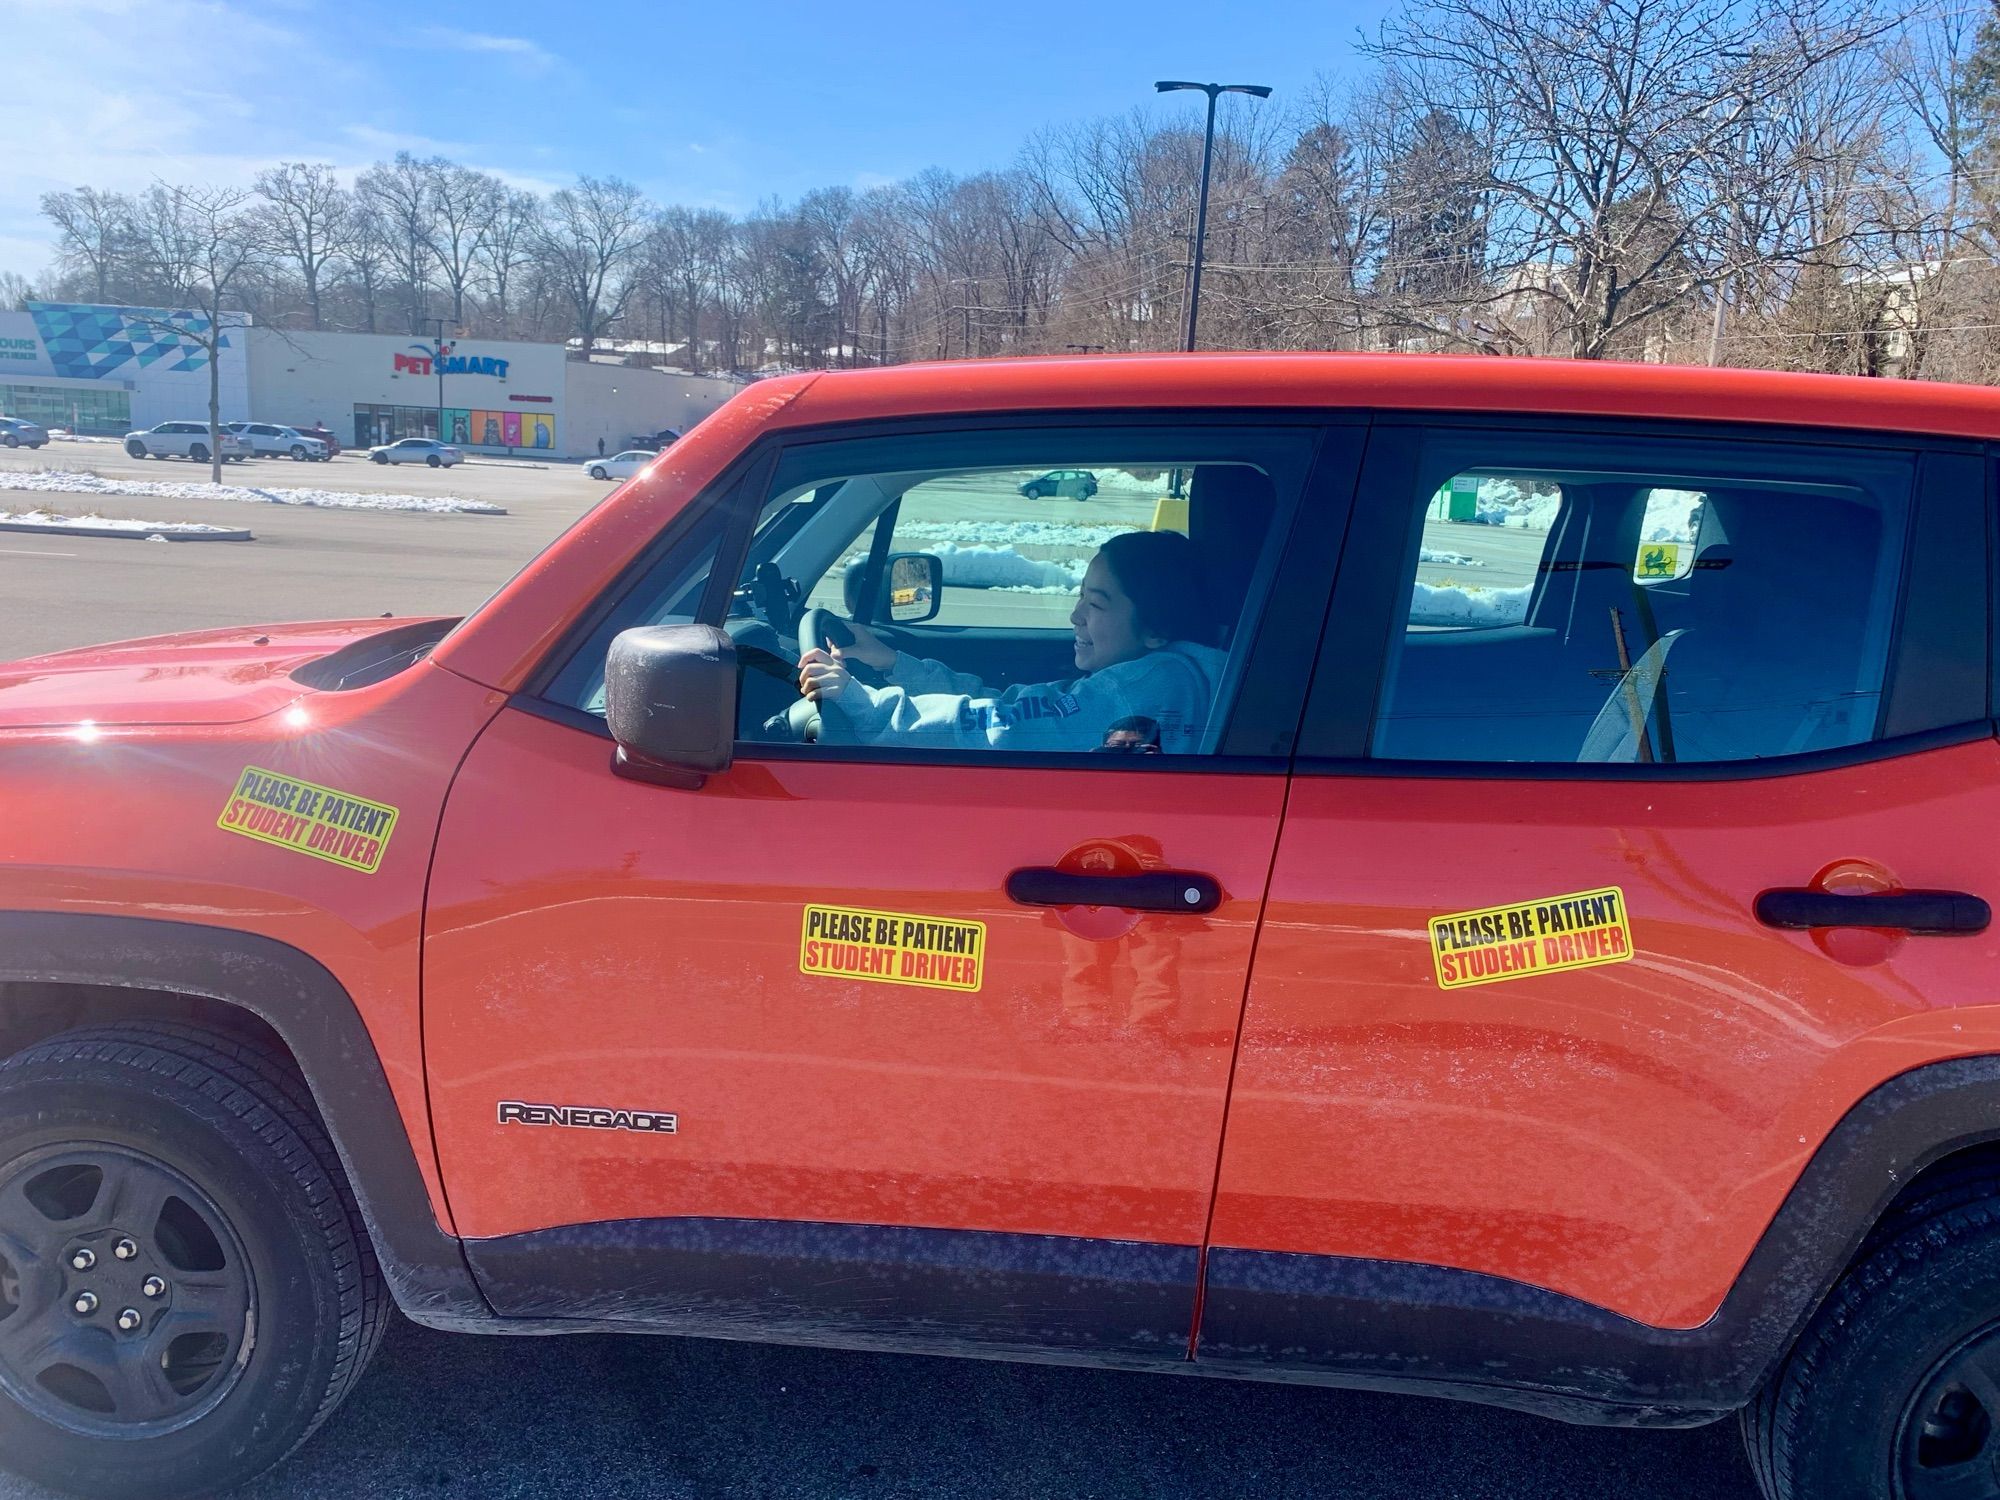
x,y
433,460
1894,1390
186,1290
198,453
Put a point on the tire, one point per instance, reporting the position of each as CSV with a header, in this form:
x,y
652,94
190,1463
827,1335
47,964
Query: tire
x,y
597,472
298,453
1894,1389
380,458
223,1139
198,452
135,450
11,441
1033,492
434,461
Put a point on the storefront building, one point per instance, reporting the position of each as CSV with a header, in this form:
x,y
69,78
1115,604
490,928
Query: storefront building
x,y
108,370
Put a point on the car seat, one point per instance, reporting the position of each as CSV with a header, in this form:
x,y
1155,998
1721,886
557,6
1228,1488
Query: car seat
x,y
1230,510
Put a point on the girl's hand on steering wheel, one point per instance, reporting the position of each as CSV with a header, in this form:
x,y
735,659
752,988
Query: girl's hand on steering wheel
x,y
869,648
823,675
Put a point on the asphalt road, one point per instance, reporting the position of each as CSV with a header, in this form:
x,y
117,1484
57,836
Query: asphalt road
x,y
595,1418
441,1415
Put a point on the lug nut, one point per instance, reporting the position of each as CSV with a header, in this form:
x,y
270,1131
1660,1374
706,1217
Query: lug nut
x,y
83,1260
154,1287
86,1303
125,1249
129,1320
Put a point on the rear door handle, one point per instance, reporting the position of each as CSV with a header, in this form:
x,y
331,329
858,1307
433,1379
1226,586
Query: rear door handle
x,y
1911,911
1153,890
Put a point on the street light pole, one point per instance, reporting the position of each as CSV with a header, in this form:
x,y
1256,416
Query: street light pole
x,y
1213,90
437,354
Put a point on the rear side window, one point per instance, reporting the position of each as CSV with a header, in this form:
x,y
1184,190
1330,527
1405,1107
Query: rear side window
x,y
1590,600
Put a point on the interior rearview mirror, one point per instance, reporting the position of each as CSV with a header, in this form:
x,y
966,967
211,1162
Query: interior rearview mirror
x,y
915,587
670,699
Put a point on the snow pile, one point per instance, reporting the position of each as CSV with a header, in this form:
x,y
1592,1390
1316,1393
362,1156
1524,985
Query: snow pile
x,y
20,519
1672,515
1502,502
54,481
1009,533
1448,559
1450,604
64,435
1004,568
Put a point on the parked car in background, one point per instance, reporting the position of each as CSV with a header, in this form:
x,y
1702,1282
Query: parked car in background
x,y
17,433
653,442
324,434
269,440
416,451
621,465
1062,484
185,440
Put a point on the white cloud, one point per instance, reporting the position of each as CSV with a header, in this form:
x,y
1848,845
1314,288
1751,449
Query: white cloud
x,y
530,56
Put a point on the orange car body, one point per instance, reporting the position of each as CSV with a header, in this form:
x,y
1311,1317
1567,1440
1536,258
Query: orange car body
x,y
1308,1113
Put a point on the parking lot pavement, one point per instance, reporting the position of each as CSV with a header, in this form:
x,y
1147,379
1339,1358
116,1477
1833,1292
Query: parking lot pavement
x,y
63,591
624,1418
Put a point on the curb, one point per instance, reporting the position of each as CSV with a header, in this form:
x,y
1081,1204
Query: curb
x,y
231,534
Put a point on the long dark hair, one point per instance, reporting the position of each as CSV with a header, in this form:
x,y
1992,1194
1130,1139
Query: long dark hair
x,y
1160,572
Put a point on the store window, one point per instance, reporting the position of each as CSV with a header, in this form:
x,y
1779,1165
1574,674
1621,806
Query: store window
x,y
99,412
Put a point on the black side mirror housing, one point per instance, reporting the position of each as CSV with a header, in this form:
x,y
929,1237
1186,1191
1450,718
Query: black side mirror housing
x,y
670,700
912,586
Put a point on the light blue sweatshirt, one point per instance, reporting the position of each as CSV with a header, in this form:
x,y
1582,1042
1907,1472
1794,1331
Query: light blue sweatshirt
x,y
927,704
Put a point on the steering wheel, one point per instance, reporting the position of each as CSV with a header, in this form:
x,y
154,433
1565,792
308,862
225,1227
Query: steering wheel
x,y
822,627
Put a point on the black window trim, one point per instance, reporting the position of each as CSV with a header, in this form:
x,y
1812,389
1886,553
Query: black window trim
x,y
1262,743
1337,730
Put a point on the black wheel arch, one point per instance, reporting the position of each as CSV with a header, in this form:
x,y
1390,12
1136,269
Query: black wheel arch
x,y
62,970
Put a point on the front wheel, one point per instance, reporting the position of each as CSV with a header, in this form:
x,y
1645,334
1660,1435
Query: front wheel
x,y
11,441
186,1289
380,458
1894,1389
298,453
597,472
135,450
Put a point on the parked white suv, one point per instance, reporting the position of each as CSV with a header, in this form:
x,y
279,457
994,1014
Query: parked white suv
x,y
417,451
185,440
270,439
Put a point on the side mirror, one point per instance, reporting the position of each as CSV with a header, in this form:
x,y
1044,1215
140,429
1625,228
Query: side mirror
x,y
670,699
915,587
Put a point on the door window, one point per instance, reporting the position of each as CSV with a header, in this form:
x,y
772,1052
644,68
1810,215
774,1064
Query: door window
x,y
981,620
1589,601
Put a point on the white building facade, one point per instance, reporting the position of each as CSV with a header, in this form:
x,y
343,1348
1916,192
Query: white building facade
x,y
110,370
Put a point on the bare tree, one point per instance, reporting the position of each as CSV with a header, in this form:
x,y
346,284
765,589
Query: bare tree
x,y
589,240
506,248
307,221
370,257
15,292
207,237
464,206
94,231
400,193
1611,122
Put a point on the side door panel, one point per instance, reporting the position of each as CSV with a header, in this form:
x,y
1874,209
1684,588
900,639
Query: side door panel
x,y
1619,1134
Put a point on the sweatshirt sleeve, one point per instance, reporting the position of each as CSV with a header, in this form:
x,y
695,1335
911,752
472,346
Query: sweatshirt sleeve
x,y
919,674
1043,716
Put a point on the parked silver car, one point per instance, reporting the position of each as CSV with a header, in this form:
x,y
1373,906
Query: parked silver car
x,y
185,440
273,440
17,433
416,451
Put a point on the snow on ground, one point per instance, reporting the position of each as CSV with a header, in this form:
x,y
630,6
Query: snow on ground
x,y
56,481
1011,533
1450,604
1004,568
14,518
1502,502
64,435
1448,559
1672,515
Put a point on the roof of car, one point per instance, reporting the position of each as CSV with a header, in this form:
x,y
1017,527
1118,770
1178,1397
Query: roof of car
x,y
1413,382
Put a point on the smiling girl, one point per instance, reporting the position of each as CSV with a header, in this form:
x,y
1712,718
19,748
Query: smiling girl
x,y
1143,631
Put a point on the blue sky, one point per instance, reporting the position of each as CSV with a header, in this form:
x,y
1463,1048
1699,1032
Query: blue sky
x,y
718,104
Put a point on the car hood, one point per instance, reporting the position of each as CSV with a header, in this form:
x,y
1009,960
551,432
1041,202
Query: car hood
x,y
197,677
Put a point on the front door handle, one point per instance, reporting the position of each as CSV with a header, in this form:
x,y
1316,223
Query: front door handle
x,y
1152,890
1910,911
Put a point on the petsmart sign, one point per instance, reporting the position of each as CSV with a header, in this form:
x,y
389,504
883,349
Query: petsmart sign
x,y
444,361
